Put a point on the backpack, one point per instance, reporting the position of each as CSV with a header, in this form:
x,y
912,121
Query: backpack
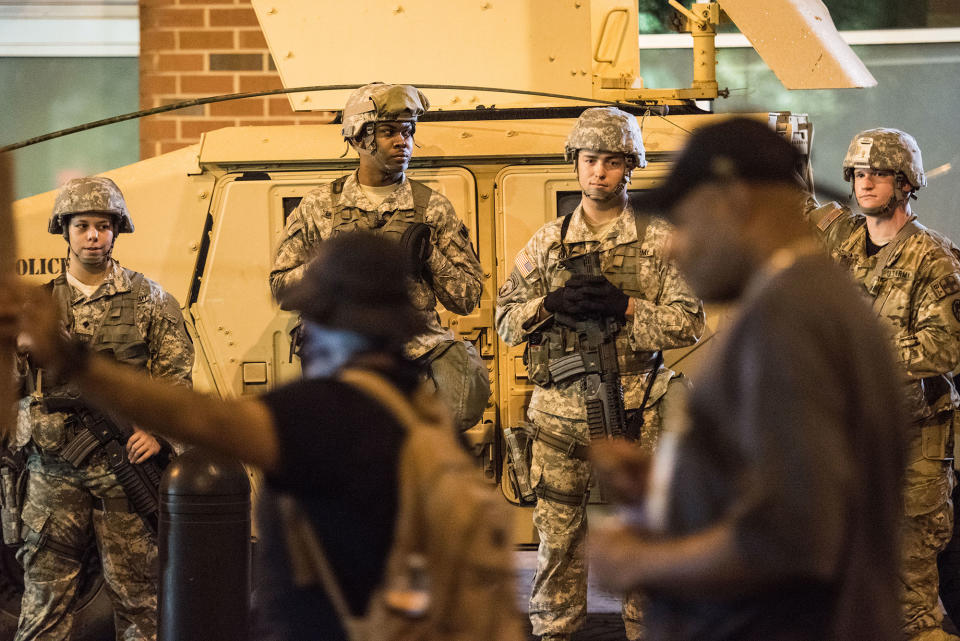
x,y
449,573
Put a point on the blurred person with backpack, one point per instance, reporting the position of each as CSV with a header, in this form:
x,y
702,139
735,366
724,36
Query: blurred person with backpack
x,y
381,522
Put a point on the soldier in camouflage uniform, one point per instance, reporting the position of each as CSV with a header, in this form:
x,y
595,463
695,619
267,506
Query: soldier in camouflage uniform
x,y
379,122
111,309
912,275
660,312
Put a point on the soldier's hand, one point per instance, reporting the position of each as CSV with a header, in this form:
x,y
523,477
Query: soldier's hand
x,y
599,296
141,446
622,468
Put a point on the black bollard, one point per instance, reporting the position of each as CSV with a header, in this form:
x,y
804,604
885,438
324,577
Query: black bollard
x,y
204,540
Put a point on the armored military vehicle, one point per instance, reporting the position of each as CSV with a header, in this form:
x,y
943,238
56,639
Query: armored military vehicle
x,y
208,217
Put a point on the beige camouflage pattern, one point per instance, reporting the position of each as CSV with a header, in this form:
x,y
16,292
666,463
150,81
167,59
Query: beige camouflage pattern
x,y
558,599
160,323
455,272
59,498
666,315
59,504
885,150
606,129
917,297
378,102
93,194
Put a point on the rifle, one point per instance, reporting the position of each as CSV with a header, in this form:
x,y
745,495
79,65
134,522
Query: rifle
x,y
140,481
595,360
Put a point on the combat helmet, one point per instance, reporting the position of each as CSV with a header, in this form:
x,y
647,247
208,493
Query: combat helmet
x,y
885,149
90,195
379,102
606,129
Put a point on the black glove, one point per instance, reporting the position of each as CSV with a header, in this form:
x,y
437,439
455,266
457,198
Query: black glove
x,y
564,300
416,247
597,296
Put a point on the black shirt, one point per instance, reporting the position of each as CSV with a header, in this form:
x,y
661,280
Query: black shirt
x,y
339,454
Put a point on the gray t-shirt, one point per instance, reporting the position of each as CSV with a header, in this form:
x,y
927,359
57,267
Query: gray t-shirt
x,y
796,438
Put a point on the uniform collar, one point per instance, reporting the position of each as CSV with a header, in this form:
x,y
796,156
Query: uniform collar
x,y
116,282
353,196
623,231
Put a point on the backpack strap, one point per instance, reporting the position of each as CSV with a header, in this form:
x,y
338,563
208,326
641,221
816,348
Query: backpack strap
x,y
309,563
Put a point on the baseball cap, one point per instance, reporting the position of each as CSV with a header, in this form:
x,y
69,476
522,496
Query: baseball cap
x,y
735,149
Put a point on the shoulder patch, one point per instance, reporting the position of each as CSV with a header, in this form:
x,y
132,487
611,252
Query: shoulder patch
x,y
524,265
828,214
509,285
946,286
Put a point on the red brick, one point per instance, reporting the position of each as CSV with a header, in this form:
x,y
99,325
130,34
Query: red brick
x,y
248,107
207,84
153,39
182,61
279,106
206,39
156,128
151,84
177,17
191,129
149,62
251,39
243,17
167,147
259,83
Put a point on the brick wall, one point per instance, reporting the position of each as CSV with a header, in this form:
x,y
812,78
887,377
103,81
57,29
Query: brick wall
x,y
198,48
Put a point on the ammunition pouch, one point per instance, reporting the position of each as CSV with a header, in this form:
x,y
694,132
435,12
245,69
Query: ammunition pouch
x,y
13,484
519,455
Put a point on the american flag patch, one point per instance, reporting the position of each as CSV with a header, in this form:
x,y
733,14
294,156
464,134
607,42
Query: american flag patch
x,y
524,264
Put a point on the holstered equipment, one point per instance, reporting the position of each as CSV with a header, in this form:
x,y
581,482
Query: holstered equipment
x,y
13,479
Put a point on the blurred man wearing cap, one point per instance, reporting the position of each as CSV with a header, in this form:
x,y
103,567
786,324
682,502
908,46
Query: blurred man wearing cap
x,y
73,495
770,511
912,276
541,303
334,448
379,122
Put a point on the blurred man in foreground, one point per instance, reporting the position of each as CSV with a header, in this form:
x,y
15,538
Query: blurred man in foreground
x,y
771,512
327,444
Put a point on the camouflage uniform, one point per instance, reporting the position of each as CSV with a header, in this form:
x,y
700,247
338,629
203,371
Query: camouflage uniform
x,y
916,293
666,315
63,502
456,278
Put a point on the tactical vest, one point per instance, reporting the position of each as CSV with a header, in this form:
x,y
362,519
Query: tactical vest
x,y
622,268
117,333
349,219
